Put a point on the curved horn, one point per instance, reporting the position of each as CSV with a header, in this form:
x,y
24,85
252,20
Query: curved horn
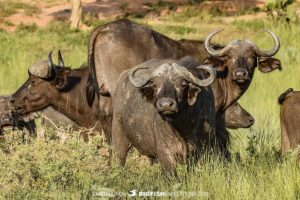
x,y
211,51
50,65
60,59
200,82
137,82
142,78
272,51
209,80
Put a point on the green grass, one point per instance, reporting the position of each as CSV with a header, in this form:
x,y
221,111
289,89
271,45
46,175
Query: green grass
x,y
52,169
9,7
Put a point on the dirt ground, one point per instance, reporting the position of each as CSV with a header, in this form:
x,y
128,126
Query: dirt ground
x,y
61,10
102,9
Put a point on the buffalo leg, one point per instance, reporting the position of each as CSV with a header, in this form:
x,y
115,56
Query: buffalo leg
x,y
120,142
168,163
108,137
285,142
105,104
222,136
167,156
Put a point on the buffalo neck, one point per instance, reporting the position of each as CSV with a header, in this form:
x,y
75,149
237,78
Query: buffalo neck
x,y
73,102
187,121
226,92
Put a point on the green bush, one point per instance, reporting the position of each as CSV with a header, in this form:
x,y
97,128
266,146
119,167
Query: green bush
x,y
279,10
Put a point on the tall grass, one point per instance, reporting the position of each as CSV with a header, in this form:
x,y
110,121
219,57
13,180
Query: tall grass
x,y
48,168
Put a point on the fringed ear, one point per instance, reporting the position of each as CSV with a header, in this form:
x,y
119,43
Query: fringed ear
x,y
192,94
61,79
266,65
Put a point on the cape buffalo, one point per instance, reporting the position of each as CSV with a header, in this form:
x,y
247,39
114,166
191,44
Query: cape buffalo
x,y
118,45
290,119
237,117
163,110
62,88
9,119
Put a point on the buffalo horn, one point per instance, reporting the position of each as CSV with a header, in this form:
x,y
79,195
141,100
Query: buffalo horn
x,y
272,51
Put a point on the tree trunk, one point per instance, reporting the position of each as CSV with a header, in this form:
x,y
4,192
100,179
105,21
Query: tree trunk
x,y
76,14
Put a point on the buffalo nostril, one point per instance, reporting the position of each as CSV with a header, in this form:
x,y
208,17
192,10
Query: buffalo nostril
x,y
241,73
251,119
166,103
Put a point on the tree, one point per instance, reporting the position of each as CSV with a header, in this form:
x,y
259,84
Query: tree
x,y
76,13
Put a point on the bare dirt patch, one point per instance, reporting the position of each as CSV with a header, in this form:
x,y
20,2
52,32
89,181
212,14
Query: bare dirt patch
x,y
103,9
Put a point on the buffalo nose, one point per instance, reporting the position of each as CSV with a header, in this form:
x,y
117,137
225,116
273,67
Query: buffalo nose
x,y
251,120
166,104
241,73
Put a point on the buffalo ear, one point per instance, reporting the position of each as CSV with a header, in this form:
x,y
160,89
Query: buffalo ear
x,y
61,79
266,65
217,63
192,94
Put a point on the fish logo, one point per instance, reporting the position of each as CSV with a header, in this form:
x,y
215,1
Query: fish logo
x,y
133,193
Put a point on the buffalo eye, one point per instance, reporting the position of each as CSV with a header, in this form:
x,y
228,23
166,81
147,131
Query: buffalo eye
x,y
184,83
250,60
151,84
32,82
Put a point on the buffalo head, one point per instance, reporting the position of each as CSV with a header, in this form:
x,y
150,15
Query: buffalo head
x,y
240,57
46,80
237,117
6,118
169,86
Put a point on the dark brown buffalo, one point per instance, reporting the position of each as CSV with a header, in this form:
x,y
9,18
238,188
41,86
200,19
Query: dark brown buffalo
x,y
164,111
118,45
237,117
8,119
62,88
290,119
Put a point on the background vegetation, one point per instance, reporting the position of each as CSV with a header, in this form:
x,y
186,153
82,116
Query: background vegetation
x,y
49,168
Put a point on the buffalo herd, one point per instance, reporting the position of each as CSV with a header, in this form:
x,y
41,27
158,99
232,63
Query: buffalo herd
x,y
169,99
